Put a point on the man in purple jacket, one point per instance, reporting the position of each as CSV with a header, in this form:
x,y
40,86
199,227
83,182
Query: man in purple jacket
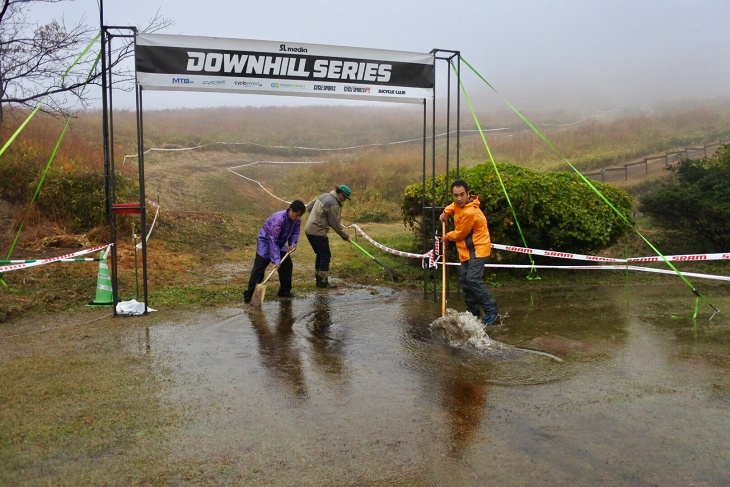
x,y
279,235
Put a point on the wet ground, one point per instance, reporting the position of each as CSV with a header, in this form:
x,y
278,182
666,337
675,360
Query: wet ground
x,y
357,388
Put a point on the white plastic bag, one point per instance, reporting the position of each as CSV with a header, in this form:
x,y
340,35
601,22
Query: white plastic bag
x,y
131,308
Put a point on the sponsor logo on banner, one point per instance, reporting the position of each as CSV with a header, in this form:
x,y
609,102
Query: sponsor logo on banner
x,y
215,82
391,92
356,89
325,88
284,48
288,86
254,84
186,81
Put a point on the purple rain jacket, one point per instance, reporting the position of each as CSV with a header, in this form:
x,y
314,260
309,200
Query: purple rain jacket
x,y
278,231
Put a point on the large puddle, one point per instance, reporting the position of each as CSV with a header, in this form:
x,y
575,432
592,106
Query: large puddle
x,y
585,386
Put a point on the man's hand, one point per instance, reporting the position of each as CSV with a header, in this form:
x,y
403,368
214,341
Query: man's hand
x,y
292,248
443,217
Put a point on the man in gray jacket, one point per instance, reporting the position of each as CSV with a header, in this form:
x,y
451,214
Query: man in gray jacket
x,y
324,212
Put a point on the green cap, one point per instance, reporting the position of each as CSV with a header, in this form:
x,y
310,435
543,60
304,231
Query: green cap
x,y
345,190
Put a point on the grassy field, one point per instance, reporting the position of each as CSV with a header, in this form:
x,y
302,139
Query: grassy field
x,y
214,198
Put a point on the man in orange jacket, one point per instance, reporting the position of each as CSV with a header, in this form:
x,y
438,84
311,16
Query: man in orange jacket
x,y
474,245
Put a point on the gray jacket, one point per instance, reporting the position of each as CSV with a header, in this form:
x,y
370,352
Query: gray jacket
x,y
324,212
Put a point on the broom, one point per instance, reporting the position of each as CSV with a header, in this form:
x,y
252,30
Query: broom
x,y
258,294
390,272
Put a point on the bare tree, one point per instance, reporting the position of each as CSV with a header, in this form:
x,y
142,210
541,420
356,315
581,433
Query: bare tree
x,y
36,60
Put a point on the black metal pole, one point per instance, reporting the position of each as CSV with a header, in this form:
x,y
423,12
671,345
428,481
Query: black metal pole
x,y
423,200
142,200
458,113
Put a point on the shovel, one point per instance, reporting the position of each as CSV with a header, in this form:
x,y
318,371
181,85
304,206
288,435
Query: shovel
x,y
390,272
258,294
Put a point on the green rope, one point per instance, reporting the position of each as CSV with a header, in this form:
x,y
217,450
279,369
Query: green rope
x,y
52,157
597,191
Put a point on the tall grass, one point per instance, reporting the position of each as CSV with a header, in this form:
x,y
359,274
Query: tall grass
x,y
359,146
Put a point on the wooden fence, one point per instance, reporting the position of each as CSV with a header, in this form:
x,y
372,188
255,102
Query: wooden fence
x,y
649,164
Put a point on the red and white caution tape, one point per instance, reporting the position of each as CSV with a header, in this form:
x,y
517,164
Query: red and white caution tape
x,y
26,265
552,253
682,258
688,274
428,256
655,258
600,267
433,262
435,254
28,261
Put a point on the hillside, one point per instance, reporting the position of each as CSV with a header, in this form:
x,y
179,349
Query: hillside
x,y
214,198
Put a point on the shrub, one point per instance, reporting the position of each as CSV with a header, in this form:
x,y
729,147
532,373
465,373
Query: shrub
x,y
698,201
556,211
77,197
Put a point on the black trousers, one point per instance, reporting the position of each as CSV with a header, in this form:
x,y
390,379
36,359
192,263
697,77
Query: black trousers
x,y
321,247
476,293
259,268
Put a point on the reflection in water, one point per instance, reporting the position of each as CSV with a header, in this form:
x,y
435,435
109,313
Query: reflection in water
x,y
418,411
286,317
281,352
464,397
327,339
321,319
277,348
144,343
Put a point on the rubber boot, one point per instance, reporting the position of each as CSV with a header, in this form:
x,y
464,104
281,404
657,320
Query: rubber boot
x,y
323,280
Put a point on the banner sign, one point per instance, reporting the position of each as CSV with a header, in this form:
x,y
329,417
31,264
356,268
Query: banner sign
x,y
192,63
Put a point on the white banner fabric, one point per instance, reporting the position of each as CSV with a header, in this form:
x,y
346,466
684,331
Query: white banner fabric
x,y
192,63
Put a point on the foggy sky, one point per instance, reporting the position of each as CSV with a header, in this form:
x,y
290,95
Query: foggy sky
x,y
590,54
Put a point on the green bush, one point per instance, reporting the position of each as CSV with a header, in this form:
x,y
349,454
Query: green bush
x,y
77,197
556,211
697,203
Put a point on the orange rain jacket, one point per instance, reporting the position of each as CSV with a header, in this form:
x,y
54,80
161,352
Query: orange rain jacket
x,y
470,233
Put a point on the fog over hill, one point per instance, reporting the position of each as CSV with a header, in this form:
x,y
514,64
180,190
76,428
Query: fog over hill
x,y
573,55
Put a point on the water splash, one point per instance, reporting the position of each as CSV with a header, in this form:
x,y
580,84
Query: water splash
x,y
462,329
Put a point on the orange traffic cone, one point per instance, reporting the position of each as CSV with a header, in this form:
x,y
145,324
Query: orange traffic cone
x,y
104,294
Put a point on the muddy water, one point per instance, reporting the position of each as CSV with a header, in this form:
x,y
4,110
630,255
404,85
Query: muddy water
x,y
357,388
